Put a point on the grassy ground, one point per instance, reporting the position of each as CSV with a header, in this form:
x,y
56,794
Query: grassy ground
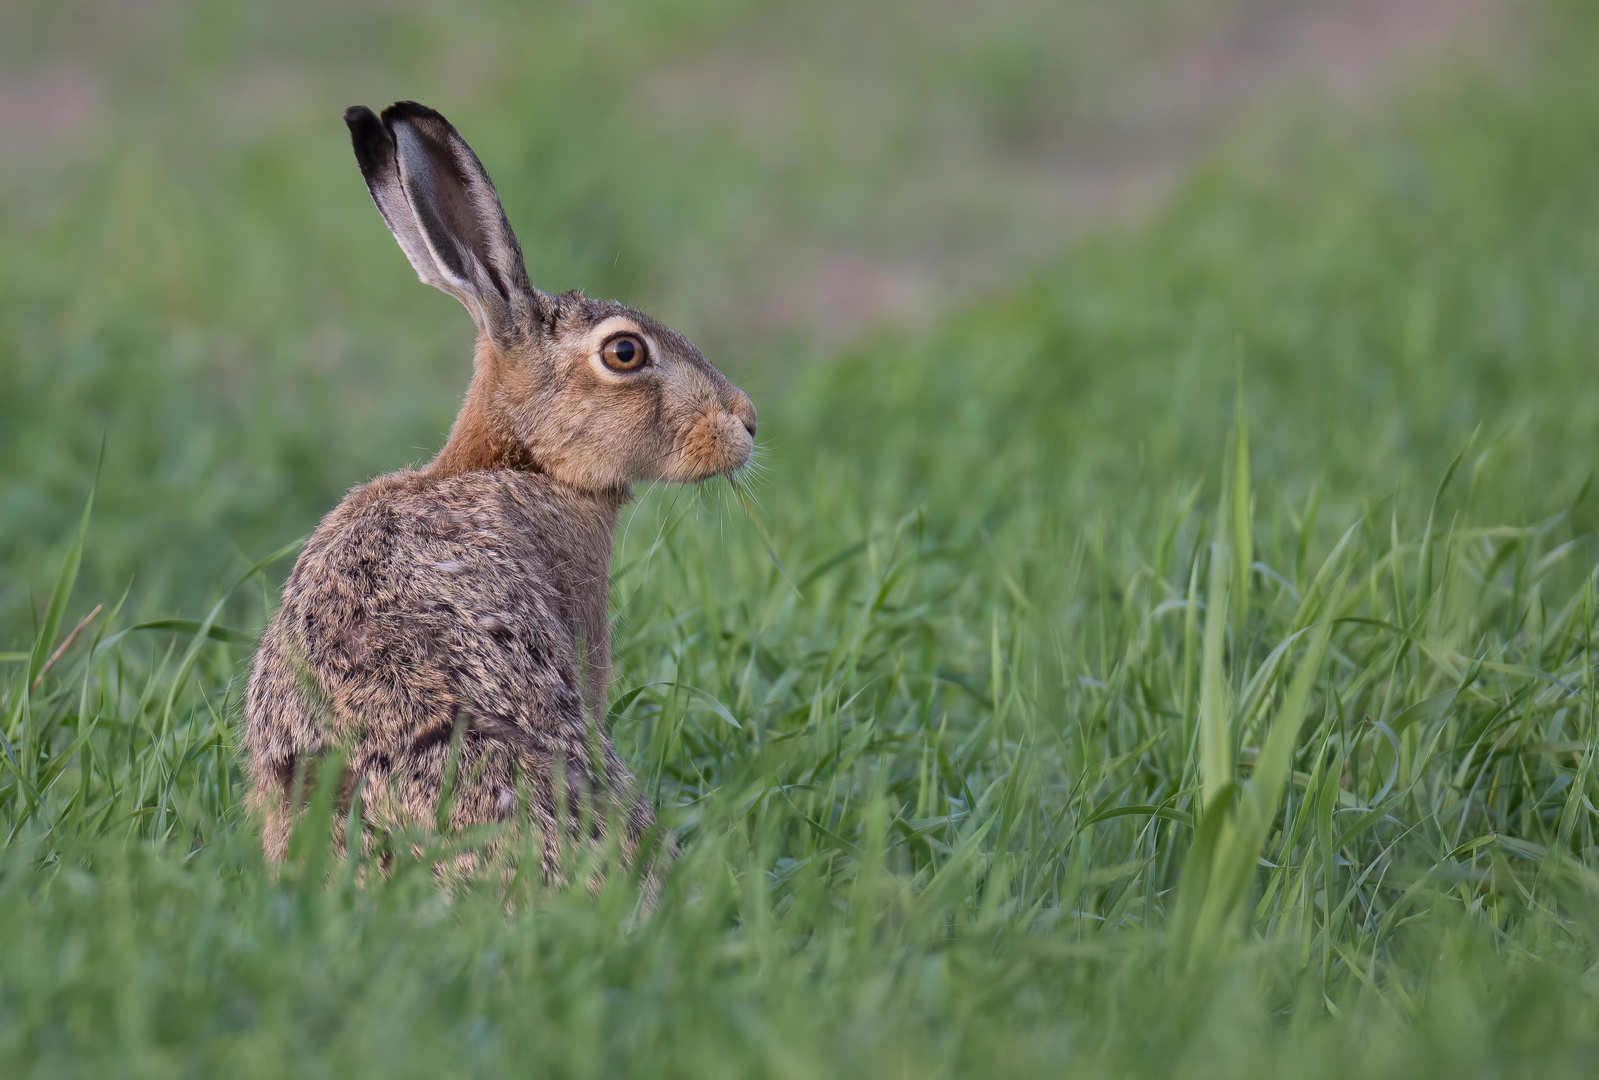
x,y
1178,664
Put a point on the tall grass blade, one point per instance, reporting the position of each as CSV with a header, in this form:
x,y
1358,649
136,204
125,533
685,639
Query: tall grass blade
x,y
66,577
1215,711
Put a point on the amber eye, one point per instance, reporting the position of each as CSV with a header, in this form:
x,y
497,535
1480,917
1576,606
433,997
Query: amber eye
x,y
624,353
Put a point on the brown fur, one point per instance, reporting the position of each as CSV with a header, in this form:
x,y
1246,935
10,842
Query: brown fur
x,y
473,593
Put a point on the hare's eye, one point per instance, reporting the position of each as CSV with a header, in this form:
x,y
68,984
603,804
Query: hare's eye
x,y
623,353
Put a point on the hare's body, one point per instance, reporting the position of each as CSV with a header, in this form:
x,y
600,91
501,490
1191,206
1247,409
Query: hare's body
x,y
423,601
465,604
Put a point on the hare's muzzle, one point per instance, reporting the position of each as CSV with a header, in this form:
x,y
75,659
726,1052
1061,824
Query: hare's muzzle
x,y
719,440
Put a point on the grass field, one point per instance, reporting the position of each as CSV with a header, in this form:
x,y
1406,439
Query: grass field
x,y
1177,663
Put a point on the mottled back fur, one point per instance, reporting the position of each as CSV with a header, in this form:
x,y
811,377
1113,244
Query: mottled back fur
x,y
472,594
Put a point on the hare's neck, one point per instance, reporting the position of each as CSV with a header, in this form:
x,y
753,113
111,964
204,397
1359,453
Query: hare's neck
x,y
475,441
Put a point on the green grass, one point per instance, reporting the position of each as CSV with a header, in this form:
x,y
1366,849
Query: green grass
x,y
1178,664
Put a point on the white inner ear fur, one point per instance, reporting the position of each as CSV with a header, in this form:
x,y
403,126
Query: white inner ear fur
x,y
603,331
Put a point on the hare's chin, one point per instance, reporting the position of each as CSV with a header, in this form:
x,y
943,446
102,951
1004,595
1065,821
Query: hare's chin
x,y
694,472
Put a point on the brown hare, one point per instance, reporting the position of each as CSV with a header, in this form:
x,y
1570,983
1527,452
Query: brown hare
x,y
473,592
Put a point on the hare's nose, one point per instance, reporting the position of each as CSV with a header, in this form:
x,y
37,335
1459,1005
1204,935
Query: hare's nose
x,y
742,407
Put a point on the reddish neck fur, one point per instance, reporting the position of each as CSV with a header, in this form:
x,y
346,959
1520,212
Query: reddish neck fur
x,y
475,442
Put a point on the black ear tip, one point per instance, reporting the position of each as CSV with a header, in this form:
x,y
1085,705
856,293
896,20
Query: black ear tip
x,y
368,136
361,119
412,110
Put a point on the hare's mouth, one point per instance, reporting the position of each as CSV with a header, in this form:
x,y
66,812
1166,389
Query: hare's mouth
x,y
715,443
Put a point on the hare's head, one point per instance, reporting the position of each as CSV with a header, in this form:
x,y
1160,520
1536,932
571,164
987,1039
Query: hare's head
x,y
591,392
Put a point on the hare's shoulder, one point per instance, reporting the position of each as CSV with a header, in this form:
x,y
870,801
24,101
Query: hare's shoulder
x,y
410,515
407,539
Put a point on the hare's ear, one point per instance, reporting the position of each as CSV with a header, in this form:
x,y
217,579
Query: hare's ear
x,y
439,204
